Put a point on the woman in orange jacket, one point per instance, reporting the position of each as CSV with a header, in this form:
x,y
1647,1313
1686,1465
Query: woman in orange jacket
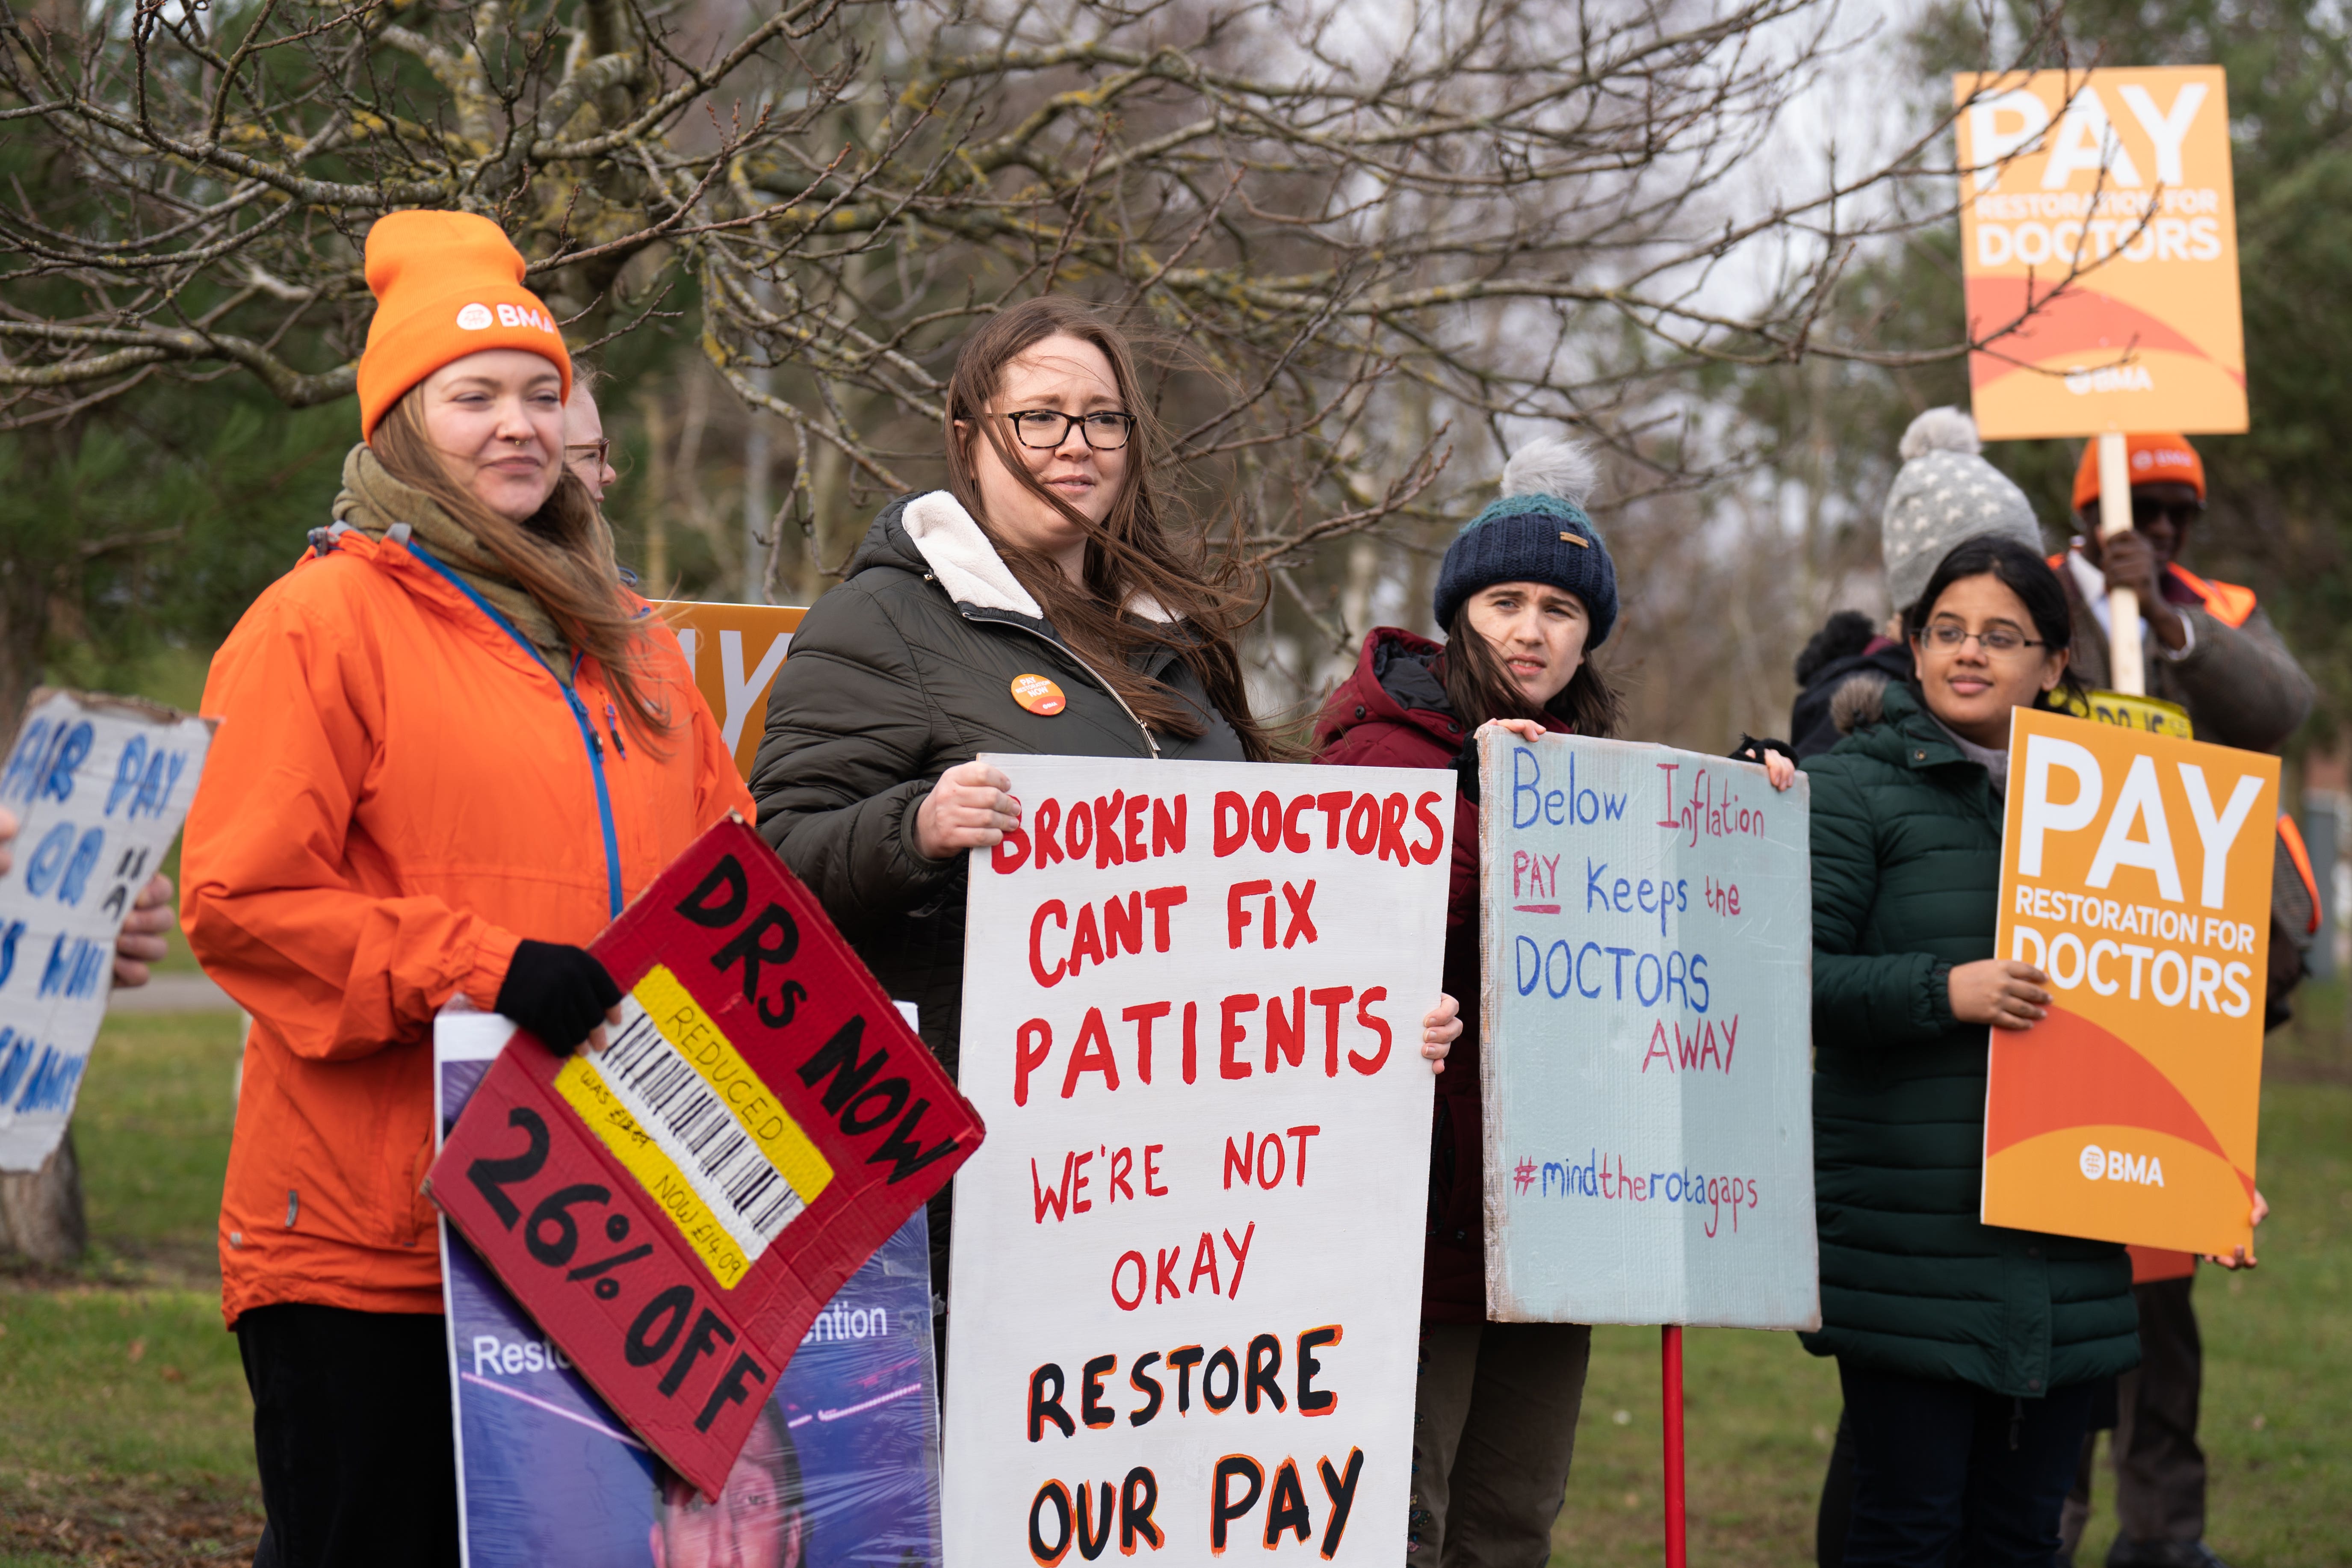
x,y
451,747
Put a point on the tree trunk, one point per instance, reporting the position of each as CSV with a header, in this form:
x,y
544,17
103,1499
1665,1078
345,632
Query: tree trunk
x,y
41,1211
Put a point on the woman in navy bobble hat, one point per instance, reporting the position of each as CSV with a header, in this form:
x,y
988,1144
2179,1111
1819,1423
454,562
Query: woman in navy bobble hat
x,y
1527,592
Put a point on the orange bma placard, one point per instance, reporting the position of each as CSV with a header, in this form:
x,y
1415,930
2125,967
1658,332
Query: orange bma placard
x,y
2136,872
736,650
2116,184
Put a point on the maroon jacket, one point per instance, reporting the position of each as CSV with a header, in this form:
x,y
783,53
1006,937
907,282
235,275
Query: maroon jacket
x,y
1393,713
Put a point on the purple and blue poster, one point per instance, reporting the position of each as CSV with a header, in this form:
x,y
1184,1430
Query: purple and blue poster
x,y
841,1470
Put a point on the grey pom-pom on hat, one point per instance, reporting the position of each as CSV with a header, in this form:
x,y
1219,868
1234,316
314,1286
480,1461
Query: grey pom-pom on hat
x,y
1945,494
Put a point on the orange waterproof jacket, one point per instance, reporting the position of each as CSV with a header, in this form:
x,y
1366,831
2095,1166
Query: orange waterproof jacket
x,y
399,792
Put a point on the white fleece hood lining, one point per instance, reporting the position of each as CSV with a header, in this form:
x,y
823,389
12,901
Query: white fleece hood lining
x,y
968,567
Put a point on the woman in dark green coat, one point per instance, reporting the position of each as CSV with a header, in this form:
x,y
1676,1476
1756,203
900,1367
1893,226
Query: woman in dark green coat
x,y
1967,1354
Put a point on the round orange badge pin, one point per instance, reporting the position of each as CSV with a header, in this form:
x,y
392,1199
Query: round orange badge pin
x,y
1038,695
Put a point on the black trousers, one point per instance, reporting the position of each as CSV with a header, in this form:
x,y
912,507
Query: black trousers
x,y
1947,1473
351,1434
2159,1468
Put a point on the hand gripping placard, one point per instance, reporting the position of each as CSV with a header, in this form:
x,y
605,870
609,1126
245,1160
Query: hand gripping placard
x,y
676,1211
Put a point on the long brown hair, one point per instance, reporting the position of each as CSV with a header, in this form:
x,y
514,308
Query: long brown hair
x,y
562,555
1129,552
1480,688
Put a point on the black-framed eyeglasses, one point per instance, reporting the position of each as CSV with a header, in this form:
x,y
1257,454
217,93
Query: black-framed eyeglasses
x,y
602,448
1950,635
1043,429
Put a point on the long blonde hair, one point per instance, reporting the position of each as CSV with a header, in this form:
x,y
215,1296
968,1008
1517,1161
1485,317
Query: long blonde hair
x,y
562,555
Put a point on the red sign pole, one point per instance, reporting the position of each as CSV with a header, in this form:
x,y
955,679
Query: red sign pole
x,y
1670,1358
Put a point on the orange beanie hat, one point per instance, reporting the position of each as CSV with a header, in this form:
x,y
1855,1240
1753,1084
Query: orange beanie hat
x,y
2153,459
446,285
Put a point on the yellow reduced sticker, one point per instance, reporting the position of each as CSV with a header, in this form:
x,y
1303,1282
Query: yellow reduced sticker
x,y
693,1123
584,1088
686,1027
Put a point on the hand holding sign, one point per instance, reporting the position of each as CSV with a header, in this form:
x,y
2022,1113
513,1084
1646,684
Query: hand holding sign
x,y
2001,992
141,941
968,808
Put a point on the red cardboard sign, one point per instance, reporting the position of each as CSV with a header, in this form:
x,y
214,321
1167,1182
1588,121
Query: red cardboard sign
x,y
676,1212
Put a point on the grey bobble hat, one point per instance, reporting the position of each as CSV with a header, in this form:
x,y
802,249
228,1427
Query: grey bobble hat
x,y
1536,532
1946,493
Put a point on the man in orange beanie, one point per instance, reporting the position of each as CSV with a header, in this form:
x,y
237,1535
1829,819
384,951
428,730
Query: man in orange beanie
x,y
2214,651
446,285
2211,647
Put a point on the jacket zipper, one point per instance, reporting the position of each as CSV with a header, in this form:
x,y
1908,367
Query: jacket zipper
x,y
1108,689
579,714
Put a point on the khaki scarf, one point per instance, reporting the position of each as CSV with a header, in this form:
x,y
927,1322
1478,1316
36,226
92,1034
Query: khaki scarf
x,y
372,501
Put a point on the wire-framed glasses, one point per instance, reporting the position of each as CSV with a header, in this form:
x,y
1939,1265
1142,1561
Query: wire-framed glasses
x,y
1996,638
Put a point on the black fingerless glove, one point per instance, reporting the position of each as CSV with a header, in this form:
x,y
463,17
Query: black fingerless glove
x,y
557,992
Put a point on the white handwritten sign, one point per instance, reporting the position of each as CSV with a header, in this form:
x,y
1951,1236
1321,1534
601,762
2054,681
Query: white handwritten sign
x,y
98,785
1648,1002
1186,1277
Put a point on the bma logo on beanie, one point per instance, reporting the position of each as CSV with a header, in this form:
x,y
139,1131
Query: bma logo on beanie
x,y
478,318
526,316
2147,460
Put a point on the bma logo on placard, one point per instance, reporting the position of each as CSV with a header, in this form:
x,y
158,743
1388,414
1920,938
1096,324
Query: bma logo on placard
x,y
2110,378
2114,1165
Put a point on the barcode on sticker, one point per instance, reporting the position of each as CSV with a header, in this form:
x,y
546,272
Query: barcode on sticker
x,y
695,1127
684,1086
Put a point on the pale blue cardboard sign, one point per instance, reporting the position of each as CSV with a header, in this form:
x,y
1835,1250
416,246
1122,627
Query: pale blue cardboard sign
x,y
1647,1020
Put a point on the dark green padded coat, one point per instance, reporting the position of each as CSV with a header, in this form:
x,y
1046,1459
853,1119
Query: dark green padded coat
x,y
895,675
1906,874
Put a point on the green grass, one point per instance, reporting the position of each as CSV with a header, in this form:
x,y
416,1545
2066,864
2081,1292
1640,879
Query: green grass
x,y
152,1130
141,1385
128,1435
2277,1426
1757,1413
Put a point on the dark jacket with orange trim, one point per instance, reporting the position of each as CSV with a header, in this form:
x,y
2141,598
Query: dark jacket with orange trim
x,y
2237,681
1392,713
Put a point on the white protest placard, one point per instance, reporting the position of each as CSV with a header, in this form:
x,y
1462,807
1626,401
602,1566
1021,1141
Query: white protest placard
x,y
1648,1026
98,785
1185,1290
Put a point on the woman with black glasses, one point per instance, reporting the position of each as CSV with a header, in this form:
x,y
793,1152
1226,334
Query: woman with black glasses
x,y
1967,1354
1042,603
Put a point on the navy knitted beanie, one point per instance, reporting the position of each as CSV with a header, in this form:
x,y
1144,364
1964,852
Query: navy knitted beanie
x,y
1537,532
